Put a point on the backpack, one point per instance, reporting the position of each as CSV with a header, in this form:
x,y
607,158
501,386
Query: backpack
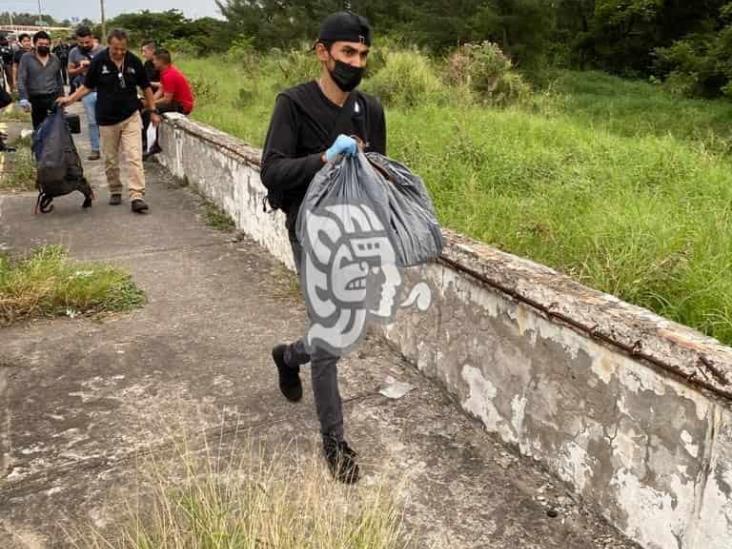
x,y
58,165
353,108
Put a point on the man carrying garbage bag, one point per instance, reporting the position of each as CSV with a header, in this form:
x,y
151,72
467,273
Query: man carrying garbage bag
x,y
314,124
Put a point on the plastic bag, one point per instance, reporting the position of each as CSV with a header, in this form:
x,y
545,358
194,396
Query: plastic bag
x,y
396,196
59,170
361,221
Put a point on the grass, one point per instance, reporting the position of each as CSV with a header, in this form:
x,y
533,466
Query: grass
x,y
48,283
17,169
614,182
216,218
247,499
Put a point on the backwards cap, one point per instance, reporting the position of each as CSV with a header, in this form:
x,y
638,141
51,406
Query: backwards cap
x,y
345,27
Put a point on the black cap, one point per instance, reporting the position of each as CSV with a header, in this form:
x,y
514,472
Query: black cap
x,y
345,27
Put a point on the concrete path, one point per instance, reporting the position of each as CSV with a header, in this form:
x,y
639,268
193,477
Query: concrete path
x,y
80,398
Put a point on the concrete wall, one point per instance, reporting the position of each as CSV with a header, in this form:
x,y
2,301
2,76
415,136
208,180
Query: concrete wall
x,y
632,410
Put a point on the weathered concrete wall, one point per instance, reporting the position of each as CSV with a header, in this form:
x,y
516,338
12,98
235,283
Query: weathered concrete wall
x,y
632,410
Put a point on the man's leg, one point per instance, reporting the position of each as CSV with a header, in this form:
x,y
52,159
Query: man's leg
x,y
173,106
90,104
110,150
131,156
324,375
39,110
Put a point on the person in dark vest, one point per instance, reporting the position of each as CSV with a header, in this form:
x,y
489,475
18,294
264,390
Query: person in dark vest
x,y
313,124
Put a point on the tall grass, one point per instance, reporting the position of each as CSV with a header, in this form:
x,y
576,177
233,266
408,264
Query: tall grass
x,y
18,169
48,283
625,188
249,499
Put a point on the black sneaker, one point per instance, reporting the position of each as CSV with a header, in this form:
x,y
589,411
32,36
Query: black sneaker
x,y
139,205
115,199
94,156
290,383
341,460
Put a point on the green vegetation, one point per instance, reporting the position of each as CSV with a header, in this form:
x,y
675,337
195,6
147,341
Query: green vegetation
x,y
616,183
18,169
248,500
215,217
48,283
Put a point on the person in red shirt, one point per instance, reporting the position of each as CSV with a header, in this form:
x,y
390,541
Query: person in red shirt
x,y
173,95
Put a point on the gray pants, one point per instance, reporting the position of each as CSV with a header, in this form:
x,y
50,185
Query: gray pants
x,y
323,371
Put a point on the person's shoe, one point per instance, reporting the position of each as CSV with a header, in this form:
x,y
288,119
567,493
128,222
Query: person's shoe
x,y
115,199
139,205
290,383
341,460
94,156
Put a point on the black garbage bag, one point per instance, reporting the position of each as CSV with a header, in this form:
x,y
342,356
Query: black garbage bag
x,y
394,194
58,166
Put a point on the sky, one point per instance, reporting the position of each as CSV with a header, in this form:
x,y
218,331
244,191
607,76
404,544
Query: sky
x,y
67,9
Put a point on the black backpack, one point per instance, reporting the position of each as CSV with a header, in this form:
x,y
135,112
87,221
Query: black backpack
x,y
58,165
352,111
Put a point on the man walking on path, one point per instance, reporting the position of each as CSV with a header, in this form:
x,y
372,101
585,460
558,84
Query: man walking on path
x,y
115,74
311,125
80,59
39,79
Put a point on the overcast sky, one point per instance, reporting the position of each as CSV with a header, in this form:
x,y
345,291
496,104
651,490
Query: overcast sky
x,y
67,9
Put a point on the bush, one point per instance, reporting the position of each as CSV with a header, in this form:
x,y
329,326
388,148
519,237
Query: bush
x,y
487,73
204,91
407,79
295,66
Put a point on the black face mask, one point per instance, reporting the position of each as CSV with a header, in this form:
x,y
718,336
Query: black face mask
x,y
43,50
347,77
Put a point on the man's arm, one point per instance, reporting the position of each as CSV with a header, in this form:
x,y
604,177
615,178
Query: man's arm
x,y
377,139
59,80
80,92
161,98
76,70
22,78
150,100
280,168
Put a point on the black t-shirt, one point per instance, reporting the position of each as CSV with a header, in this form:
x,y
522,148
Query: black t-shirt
x,y
304,124
116,89
18,54
153,74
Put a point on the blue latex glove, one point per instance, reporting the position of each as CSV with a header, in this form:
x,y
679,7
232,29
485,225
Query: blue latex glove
x,y
25,104
344,145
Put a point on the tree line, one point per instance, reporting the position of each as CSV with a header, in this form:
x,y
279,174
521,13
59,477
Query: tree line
x,y
688,44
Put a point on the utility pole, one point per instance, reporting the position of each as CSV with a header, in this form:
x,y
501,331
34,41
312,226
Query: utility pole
x,y
104,22
40,19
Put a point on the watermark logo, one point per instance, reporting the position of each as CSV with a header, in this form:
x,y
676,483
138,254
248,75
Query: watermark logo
x,y
350,276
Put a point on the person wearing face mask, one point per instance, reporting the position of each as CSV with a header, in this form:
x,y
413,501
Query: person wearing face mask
x,y
39,79
80,59
313,124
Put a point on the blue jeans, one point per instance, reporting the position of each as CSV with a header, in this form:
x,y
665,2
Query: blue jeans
x,y
90,106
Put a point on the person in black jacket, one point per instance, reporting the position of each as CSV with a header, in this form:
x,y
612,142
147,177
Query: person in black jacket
x,y
313,124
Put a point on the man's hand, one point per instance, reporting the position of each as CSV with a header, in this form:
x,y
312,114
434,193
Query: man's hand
x,y
155,119
64,100
25,105
343,145
84,63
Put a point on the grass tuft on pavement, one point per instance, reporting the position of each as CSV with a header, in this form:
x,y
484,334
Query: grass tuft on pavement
x,y
18,169
250,500
48,283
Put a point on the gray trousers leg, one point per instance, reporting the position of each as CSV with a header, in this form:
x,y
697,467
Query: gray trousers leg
x,y
323,372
